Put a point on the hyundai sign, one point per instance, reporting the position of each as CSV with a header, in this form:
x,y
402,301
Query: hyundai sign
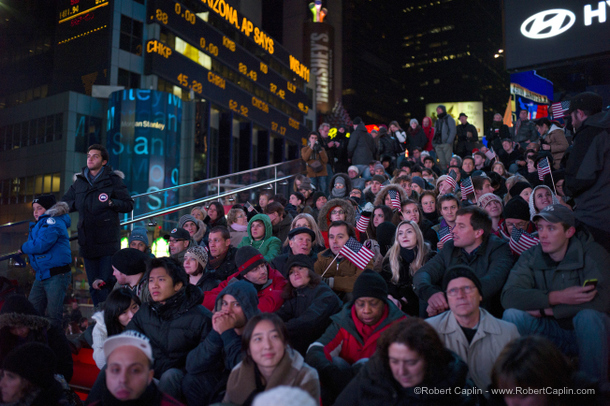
x,y
542,32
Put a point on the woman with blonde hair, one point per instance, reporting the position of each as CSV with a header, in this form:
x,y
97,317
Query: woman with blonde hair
x,y
406,256
307,220
237,220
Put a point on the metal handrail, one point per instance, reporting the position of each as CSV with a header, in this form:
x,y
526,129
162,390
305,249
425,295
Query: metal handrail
x,y
179,207
218,178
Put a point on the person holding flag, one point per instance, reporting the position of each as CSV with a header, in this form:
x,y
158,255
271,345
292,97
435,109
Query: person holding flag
x,y
341,267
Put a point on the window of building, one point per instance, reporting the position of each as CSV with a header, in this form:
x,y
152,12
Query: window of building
x,y
131,35
130,80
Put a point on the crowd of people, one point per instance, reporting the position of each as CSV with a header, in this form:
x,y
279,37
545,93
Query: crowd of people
x,y
402,268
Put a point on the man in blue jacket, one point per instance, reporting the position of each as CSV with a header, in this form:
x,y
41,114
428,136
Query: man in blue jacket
x,y
99,195
48,248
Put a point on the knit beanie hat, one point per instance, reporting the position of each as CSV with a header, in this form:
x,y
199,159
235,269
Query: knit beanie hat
x,y
316,196
32,361
414,120
461,271
370,284
245,294
46,201
419,181
340,180
518,188
129,261
378,166
139,234
247,258
354,168
487,198
188,217
517,208
199,253
379,178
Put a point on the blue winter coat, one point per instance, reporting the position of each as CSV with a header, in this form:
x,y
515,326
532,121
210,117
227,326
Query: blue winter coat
x,y
48,244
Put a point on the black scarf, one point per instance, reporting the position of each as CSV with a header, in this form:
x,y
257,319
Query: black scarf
x,y
407,255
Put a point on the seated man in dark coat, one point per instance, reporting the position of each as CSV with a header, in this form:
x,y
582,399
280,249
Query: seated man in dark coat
x,y
208,366
173,320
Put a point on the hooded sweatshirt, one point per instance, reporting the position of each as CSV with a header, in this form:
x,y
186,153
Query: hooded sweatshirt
x,y
269,246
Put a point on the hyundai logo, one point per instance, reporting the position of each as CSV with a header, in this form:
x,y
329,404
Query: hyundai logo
x,y
548,23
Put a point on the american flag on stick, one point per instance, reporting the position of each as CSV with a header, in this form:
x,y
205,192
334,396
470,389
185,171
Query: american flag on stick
x,y
249,207
467,188
451,179
357,253
543,168
521,241
394,198
362,223
560,109
445,234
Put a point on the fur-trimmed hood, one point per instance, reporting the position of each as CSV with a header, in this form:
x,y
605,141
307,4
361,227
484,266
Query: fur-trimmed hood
x,y
33,322
380,198
323,217
58,209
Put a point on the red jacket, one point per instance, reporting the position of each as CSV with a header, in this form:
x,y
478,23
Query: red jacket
x,y
269,297
342,338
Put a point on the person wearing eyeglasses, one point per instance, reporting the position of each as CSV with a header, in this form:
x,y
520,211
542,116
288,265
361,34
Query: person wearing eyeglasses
x,y
468,330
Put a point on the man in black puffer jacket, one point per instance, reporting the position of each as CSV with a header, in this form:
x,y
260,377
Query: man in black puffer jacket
x,y
174,320
99,195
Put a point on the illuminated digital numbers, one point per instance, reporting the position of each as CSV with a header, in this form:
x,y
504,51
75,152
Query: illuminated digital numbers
x,y
210,48
161,16
293,123
278,128
264,68
243,69
303,107
195,85
187,15
291,87
228,43
279,92
236,107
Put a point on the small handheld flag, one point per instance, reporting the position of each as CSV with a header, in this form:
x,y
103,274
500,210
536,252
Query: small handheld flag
x,y
521,241
356,253
543,168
